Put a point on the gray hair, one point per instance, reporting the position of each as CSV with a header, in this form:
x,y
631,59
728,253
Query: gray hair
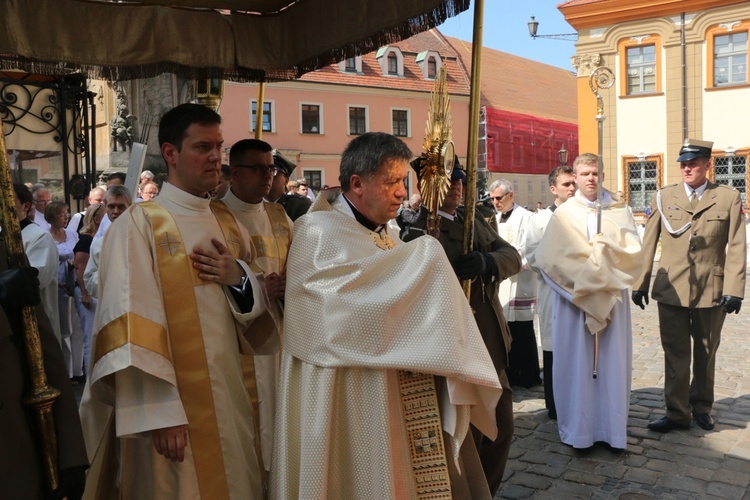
x,y
416,197
367,153
119,190
38,188
505,184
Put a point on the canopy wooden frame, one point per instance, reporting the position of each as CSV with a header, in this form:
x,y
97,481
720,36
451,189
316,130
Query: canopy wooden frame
x,y
240,40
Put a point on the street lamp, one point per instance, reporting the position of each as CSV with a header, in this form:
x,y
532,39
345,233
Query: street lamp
x,y
562,155
534,25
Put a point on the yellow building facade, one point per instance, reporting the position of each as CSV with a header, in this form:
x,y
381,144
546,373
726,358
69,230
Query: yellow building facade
x,y
680,71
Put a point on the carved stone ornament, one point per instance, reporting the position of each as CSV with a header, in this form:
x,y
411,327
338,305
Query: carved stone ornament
x,y
586,63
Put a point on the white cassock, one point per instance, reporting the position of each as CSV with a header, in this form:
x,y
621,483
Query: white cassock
x,y
591,275
103,226
143,373
91,273
40,220
361,306
534,232
41,250
518,292
271,240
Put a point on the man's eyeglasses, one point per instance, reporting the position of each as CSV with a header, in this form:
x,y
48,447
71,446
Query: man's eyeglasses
x,y
498,198
262,169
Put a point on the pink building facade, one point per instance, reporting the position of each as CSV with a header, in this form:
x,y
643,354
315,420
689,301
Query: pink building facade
x,y
311,120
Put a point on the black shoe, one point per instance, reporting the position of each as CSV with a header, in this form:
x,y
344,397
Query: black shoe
x,y
704,420
665,425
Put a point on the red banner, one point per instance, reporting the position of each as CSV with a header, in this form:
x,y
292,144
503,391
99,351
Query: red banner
x,y
524,144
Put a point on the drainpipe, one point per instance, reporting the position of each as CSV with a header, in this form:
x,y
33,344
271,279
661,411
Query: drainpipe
x,y
683,46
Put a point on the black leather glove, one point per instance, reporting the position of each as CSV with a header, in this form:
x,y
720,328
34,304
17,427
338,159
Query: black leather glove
x,y
731,304
71,483
470,265
19,288
416,164
639,297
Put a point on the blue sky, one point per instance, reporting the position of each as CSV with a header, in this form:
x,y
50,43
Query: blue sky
x,y
505,29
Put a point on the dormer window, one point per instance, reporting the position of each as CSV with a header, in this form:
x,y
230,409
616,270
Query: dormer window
x,y
429,62
431,67
392,64
391,61
351,65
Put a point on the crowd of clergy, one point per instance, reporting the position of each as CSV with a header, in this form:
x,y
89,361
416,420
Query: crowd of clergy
x,y
239,336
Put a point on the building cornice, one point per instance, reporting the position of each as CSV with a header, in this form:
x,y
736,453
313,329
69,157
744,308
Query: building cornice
x,y
338,88
610,12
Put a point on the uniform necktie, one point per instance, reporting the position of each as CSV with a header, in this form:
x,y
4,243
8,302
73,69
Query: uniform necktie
x,y
693,199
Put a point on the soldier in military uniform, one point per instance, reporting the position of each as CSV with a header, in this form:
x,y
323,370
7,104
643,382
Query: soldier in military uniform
x,y
700,279
294,204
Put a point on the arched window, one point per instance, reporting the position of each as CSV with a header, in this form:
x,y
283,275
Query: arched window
x,y
431,67
392,64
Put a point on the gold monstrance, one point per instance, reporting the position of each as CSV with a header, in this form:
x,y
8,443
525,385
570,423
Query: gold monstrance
x,y
437,161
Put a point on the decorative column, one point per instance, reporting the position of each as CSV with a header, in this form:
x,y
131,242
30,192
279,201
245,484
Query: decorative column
x,y
584,64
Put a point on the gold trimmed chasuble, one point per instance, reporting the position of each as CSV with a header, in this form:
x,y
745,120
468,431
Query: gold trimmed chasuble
x,y
167,352
358,315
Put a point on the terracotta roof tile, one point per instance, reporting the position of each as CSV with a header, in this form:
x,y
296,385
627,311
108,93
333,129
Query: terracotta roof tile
x,y
521,85
578,2
458,81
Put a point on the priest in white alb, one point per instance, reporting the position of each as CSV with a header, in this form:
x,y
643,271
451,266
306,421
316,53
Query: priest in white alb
x,y
590,273
253,167
383,367
166,413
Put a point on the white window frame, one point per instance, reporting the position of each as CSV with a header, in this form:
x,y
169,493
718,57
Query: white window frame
x,y
320,117
383,60
357,66
322,175
729,57
367,118
273,115
423,63
408,122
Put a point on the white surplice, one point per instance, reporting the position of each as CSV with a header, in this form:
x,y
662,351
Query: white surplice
x,y
518,292
356,313
41,250
140,385
534,232
590,275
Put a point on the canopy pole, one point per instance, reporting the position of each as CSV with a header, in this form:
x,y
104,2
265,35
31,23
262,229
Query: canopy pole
x,y
40,396
259,111
473,143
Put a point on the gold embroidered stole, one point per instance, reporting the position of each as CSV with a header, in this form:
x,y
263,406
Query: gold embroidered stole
x,y
424,429
231,232
276,246
178,279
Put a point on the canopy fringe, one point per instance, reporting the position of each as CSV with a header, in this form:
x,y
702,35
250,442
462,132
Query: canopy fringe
x,y
406,29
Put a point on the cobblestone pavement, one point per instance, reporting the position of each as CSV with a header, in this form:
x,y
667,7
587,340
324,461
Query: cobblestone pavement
x,y
692,464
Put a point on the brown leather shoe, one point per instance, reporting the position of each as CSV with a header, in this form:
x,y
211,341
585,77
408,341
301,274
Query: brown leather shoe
x,y
665,425
704,420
